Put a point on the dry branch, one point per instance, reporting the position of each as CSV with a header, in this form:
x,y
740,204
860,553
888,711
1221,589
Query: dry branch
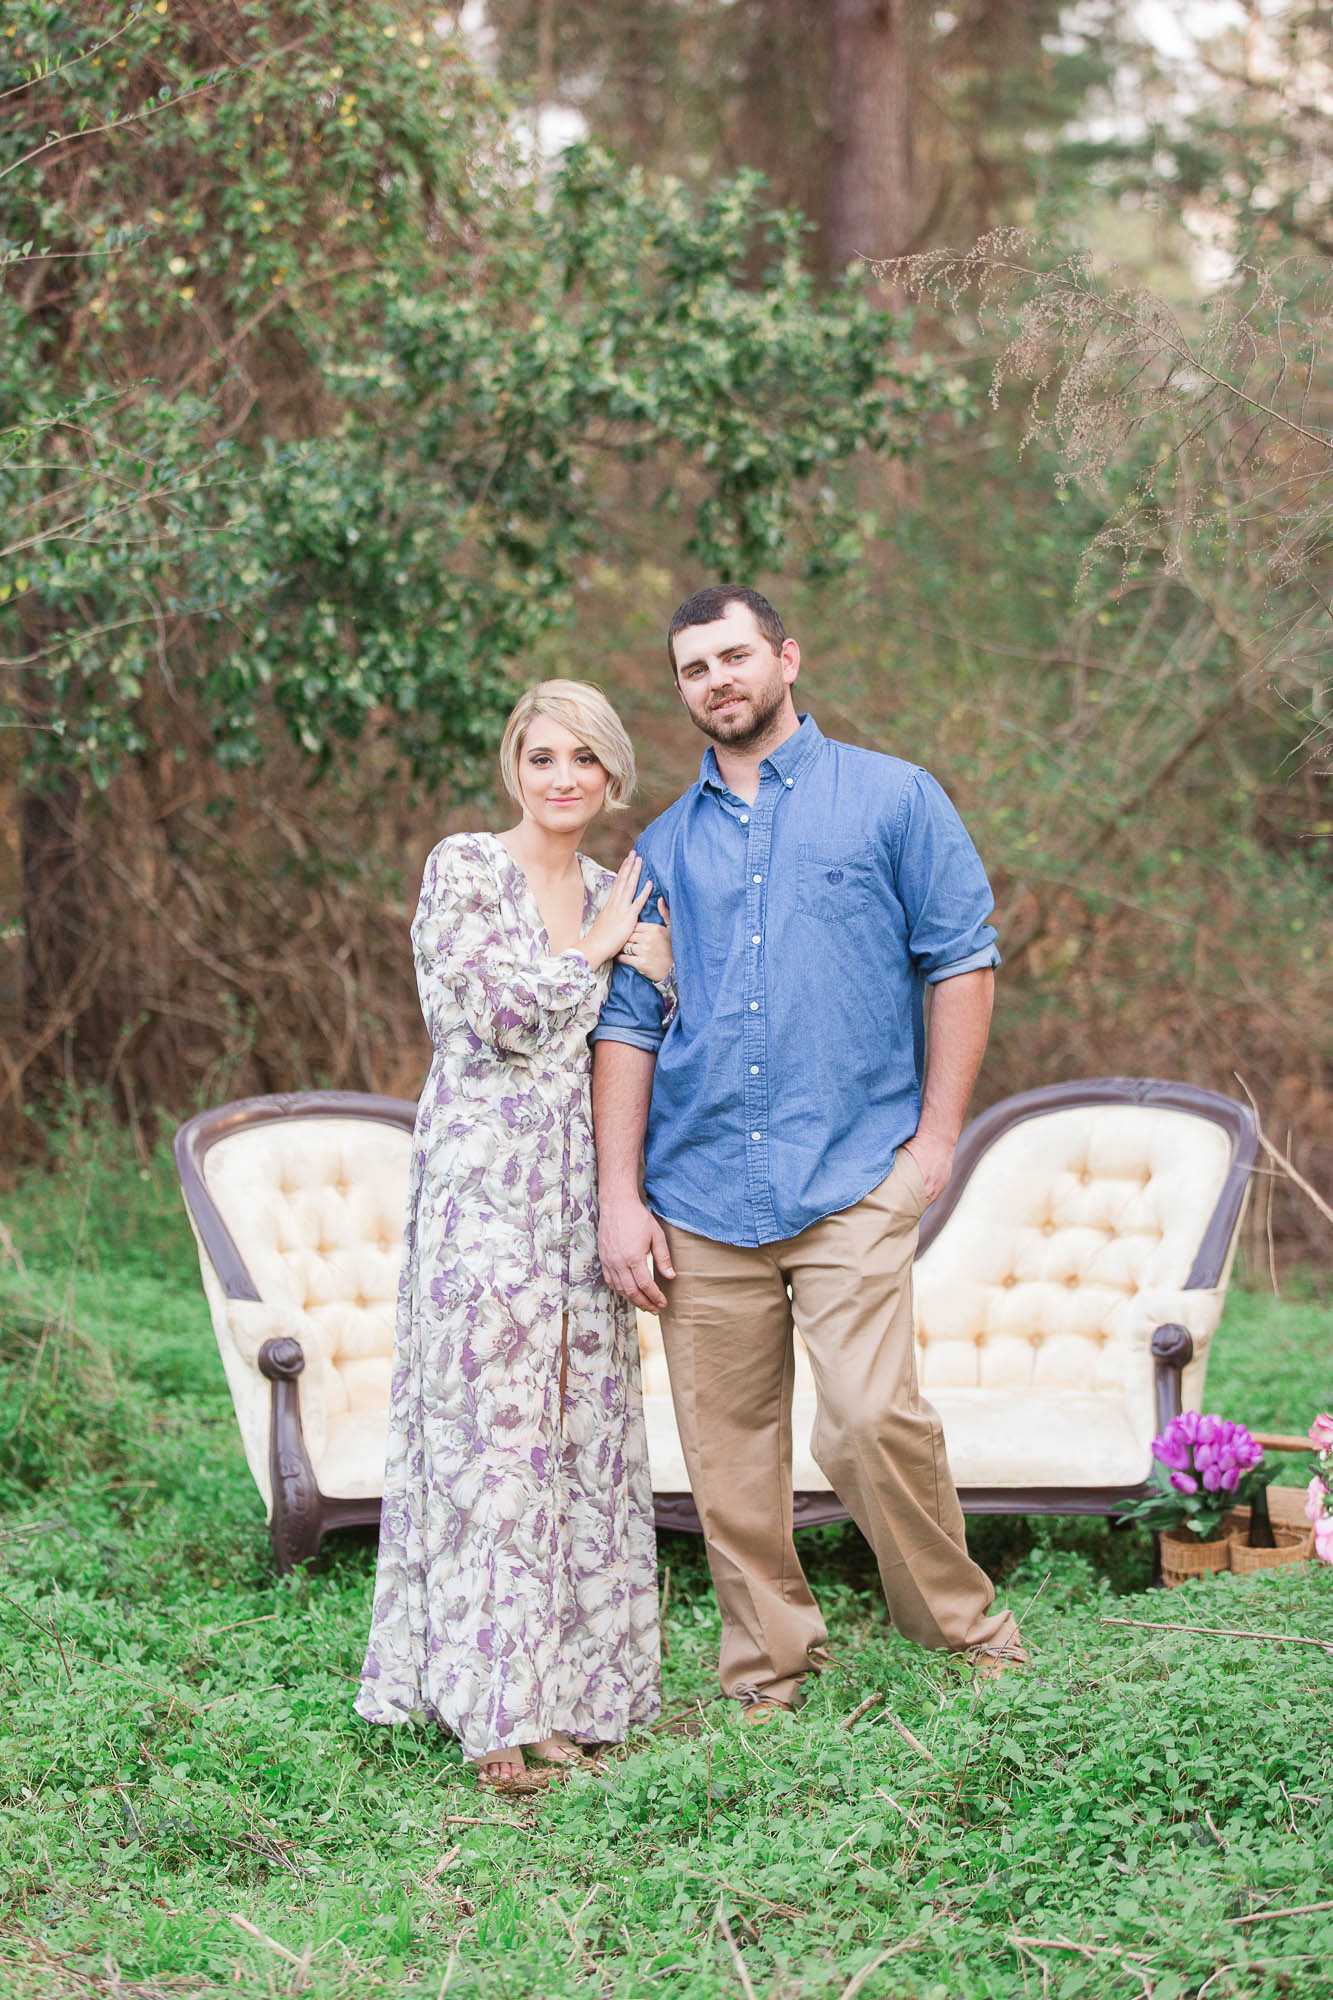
x,y
1223,1632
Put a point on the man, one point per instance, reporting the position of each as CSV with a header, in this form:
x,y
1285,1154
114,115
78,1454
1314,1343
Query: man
x,y
794,1138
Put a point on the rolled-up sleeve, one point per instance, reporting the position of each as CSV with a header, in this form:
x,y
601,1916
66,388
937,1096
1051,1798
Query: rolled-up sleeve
x,y
634,1011
942,886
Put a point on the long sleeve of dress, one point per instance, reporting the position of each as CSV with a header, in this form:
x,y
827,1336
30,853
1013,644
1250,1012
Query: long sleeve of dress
x,y
465,954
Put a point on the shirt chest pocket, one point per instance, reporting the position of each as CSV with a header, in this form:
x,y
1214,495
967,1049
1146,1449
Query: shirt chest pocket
x,y
834,879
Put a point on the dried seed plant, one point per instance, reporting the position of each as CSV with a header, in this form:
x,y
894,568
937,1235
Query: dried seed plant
x,y
1206,437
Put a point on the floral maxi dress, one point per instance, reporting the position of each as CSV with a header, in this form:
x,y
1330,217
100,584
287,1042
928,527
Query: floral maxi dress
x,y
516,1588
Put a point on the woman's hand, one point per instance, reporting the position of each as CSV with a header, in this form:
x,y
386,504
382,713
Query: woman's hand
x,y
614,924
649,948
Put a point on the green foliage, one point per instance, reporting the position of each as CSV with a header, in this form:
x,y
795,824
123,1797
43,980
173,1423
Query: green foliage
x,y
186,1795
311,392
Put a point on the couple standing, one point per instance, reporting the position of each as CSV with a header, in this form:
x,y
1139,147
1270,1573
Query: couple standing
x,y
793,1124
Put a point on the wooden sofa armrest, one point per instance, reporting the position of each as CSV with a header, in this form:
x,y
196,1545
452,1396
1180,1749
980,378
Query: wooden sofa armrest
x,y
295,1522
1172,1350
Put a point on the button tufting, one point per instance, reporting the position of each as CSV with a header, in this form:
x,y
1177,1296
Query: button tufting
x,y
1072,1282
1048,1229
1009,1282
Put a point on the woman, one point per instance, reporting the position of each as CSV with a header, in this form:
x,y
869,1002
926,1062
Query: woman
x,y
516,1589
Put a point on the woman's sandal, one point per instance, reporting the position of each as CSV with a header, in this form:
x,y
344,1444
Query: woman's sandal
x,y
556,1750
513,1778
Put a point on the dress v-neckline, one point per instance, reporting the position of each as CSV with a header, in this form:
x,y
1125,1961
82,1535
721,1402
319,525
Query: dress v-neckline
x,y
518,869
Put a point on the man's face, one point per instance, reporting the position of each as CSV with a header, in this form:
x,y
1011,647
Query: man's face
x,y
730,679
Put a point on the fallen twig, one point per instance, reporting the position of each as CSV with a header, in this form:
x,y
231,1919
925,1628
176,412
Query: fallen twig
x,y
1063,1944
858,1979
293,1958
858,1712
914,1742
696,1707
735,1951
445,1861
1223,1632
47,1625
906,1811
216,1631
1295,1910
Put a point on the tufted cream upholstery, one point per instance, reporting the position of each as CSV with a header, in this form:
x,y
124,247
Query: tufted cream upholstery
x,y
1069,1243
1036,1303
315,1207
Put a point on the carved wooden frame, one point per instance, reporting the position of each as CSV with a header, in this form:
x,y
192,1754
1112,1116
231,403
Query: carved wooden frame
x,y
301,1515
1172,1349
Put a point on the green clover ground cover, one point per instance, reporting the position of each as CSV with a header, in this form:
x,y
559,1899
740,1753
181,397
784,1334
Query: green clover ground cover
x,y
191,1807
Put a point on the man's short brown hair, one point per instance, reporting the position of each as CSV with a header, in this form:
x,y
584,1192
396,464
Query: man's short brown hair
x,y
707,605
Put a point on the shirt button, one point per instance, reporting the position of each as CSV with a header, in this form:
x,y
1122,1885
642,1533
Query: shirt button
x,y
755,938
754,1006
756,1135
789,782
754,1069
758,878
745,819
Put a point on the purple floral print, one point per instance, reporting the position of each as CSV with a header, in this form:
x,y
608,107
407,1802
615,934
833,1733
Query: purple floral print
x,y
516,1587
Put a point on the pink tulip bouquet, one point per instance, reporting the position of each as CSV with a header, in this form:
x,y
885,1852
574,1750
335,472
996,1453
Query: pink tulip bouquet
x,y
1210,1465
1319,1495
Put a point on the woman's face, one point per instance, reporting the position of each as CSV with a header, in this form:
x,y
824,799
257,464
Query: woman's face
x,y
562,784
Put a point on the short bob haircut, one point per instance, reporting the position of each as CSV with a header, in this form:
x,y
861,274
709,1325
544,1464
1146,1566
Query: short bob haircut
x,y
586,713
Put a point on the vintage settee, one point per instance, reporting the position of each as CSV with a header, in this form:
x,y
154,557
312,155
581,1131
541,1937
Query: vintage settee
x,y
1068,1284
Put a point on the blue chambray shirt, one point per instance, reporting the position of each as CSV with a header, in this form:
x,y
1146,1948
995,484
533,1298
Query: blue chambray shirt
x,y
806,928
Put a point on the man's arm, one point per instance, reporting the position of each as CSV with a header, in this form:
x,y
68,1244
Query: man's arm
x,y
622,1088
960,1011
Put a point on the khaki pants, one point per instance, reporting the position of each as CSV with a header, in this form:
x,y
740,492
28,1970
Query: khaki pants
x,y
727,1332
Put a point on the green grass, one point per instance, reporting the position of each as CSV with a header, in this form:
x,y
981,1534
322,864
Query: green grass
x,y
180,1767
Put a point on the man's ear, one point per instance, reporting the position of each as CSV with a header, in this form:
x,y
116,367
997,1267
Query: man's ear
x,y
791,660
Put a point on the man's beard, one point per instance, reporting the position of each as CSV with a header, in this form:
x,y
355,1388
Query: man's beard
x,y
751,724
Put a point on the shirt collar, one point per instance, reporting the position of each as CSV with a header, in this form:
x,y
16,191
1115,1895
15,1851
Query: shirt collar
x,y
787,761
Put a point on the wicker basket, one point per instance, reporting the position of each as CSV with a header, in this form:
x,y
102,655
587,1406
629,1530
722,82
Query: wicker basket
x,y
1185,1556
1292,1532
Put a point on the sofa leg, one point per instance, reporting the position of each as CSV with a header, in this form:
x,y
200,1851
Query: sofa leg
x,y
295,1536
297,1526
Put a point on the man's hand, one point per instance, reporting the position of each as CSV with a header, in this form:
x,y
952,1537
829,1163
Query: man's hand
x,y
628,1233
935,1159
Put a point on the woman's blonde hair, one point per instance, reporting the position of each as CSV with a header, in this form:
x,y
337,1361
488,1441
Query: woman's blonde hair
x,y
586,713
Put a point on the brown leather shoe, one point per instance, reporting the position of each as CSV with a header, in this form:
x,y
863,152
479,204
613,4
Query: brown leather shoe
x,y
758,1711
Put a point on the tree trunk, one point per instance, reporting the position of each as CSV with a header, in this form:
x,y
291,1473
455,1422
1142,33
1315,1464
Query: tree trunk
x,y
870,210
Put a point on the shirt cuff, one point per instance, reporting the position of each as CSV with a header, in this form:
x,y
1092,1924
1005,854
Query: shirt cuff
x,y
634,1038
988,955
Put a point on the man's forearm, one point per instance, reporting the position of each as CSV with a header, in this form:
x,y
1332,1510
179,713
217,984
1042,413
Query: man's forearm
x,y
960,1011
622,1089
